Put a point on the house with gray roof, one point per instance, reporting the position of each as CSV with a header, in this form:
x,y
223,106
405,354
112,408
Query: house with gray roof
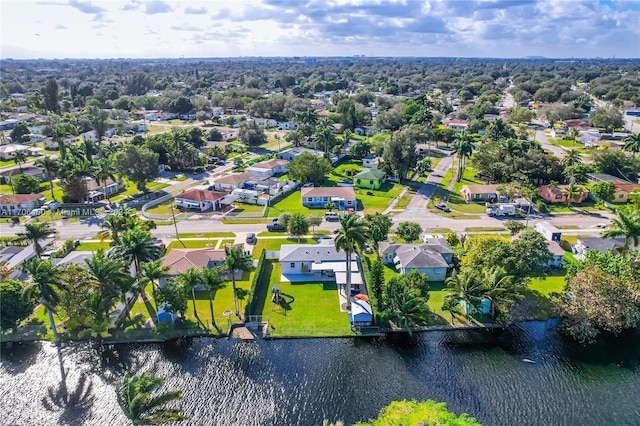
x,y
317,262
583,245
433,258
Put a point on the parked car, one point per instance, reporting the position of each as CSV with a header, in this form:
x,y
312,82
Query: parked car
x,y
443,207
275,227
308,185
251,238
331,216
367,248
220,163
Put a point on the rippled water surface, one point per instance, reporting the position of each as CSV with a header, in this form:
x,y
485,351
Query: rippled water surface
x,y
302,382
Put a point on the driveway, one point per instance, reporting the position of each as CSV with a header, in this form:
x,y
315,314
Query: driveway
x,y
417,207
544,141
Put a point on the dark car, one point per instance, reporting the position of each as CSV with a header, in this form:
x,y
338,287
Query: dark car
x,y
220,163
443,207
275,227
251,238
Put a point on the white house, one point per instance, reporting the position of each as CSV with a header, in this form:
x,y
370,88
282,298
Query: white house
x,y
97,191
344,197
557,255
269,167
19,204
8,152
291,153
371,161
317,262
199,199
231,181
583,245
287,125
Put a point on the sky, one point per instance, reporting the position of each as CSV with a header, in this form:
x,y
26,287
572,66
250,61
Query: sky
x,y
232,28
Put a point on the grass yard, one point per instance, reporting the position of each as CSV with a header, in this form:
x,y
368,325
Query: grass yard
x,y
308,309
568,143
162,208
93,246
436,299
207,235
484,229
376,202
547,285
457,202
273,244
241,208
588,205
192,244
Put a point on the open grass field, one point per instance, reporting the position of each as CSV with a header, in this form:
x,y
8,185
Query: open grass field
x,y
308,309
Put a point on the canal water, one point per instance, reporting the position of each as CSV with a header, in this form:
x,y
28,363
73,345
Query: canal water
x,y
302,382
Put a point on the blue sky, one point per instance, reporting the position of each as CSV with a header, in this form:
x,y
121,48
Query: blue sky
x,y
222,28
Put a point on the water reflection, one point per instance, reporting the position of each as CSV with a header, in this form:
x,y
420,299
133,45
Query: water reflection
x,y
290,382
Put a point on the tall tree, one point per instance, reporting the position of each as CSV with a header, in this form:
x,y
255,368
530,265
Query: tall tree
x,y
236,260
190,279
104,171
34,233
379,226
297,225
154,271
137,246
325,139
98,118
498,289
572,192
463,148
632,143
44,285
13,306
20,158
627,225
142,404
314,220
109,273
138,164
467,288
50,166
50,94
308,167
400,154
212,281
351,234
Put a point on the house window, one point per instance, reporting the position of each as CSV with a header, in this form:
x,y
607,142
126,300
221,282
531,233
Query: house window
x,y
621,196
370,182
559,197
292,265
325,199
309,200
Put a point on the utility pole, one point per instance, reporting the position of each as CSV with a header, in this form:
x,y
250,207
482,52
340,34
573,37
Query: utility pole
x,y
175,224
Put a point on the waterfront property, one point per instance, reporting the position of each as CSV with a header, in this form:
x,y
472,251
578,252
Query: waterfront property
x,y
432,258
317,262
585,244
557,255
181,260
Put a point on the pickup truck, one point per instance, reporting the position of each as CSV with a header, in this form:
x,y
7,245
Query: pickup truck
x,y
275,227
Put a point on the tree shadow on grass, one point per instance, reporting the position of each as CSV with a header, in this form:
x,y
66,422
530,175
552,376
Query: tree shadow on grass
x,y
535,306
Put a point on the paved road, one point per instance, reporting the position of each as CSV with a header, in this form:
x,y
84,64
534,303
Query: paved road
x,y
417,207
630,123
544,141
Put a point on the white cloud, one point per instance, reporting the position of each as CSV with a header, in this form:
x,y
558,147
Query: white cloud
x,y
503,28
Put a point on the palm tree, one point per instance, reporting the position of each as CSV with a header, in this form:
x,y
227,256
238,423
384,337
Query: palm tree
x,y
50,166
572,191
190,279
153,271
58,136
404,306
297,225
330,206
236,260
109,273
572,157
626,225
325,137
45,281
104,171
467,288
352,234
98,305
452,305
212,281
112,227
134,395
35,232
632,143
463,148
20,158
497,287
573,134
137,246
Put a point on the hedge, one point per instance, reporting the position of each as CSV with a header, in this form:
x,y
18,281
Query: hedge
x,y
255,286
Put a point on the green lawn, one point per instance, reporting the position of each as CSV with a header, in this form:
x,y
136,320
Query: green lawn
x,y
589,205
548,285
192,244
568,143
93,246
376,202
162,208
308,309
247,208
206,235
457,202
273,244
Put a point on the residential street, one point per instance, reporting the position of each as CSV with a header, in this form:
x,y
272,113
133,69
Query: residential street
x,y
555,150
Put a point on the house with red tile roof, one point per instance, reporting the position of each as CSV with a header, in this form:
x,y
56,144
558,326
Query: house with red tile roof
x,y
200,199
